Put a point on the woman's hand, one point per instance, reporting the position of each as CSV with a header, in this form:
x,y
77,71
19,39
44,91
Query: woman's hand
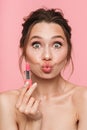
x,y
29,105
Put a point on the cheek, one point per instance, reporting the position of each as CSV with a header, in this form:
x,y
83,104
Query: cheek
x,y
29,54
60,57
32,56
60,62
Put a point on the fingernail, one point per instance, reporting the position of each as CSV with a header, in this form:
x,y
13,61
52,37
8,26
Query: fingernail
x,y
26,84
35,84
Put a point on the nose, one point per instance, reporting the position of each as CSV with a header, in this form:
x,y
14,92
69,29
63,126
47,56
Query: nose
x,y
47,54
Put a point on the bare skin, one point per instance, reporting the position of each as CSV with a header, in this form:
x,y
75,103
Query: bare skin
x,y
51,103
60,111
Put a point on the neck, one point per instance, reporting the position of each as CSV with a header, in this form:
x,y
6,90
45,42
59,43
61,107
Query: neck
x,y
49,87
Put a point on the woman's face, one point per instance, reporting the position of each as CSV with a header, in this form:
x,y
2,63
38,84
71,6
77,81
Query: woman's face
x,y
47,50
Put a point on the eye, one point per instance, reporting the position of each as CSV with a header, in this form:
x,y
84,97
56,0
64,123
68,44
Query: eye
x,y
57,45
36,45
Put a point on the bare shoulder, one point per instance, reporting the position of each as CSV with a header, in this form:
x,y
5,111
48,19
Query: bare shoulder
x,y
9,97
80,103
8,110
80,93
8,100
80,98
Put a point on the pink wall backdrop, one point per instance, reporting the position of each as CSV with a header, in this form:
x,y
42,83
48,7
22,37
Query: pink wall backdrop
x,y
11,18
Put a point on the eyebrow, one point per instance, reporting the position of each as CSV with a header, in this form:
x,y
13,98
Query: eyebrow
x,y
56,36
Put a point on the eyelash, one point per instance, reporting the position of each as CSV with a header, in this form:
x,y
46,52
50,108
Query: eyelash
x,y
37,44
59,44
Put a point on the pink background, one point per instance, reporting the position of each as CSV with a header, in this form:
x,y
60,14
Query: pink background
x,y
11,18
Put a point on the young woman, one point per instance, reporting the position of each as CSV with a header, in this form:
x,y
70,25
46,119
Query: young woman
x,y
50,102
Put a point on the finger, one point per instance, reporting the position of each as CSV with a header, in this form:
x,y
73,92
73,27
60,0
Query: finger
x,y
29,105
34,112
34,109
28,94
24,89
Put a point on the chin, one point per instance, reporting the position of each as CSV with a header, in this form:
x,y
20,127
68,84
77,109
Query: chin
x,y
48,76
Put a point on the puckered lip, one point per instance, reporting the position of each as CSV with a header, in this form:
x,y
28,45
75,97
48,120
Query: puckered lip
x,y
47,67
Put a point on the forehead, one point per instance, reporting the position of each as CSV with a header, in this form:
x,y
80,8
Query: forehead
x,y
47,30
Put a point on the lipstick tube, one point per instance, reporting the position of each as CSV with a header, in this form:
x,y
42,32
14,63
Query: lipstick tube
x,y
28,74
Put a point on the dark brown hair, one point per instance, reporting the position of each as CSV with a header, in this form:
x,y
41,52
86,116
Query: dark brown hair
x,y
49,16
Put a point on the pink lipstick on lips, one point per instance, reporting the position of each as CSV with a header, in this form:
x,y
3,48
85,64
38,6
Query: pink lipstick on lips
x,y
47,68
28,74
